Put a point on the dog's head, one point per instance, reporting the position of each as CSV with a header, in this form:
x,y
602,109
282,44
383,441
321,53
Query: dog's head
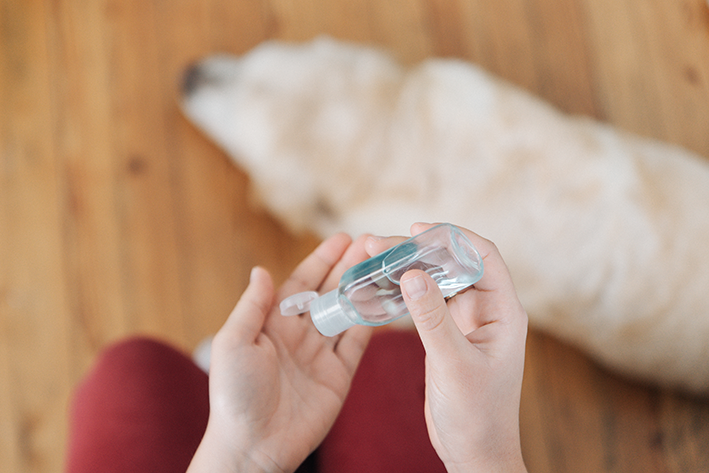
x,y
295,117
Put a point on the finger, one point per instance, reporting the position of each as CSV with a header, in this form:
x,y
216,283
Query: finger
x,y
437,330
351,346
420,227
312,271
375,245
496,275
495,288
247,319
355,254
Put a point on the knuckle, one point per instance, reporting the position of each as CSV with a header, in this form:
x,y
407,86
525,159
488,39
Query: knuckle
x,y
429,318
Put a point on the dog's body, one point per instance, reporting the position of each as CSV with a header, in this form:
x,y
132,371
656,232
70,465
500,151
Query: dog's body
x,y
606,234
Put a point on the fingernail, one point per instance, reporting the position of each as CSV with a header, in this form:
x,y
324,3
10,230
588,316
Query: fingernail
x,y
371,240
415,287
253,274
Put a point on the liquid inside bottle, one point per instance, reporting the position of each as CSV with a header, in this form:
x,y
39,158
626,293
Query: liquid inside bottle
x,y
370,294
373,290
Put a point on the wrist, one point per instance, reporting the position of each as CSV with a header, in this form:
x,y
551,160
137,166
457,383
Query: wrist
x,y
510,462
488,467
499,453
222,454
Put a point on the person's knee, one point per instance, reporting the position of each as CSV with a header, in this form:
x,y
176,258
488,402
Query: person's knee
x,y
136,367
137,354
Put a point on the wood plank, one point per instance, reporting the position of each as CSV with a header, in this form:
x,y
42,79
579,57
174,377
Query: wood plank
x,y
577,417
498,37
564,403
685,432
560,56
678,36
221,237
650,64
80,61
34,362
143,191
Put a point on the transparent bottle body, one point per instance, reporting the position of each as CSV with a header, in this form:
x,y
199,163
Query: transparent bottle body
x,y
370,292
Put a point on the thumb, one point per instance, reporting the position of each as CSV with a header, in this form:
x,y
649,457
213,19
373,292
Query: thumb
x,y
247,319
437,329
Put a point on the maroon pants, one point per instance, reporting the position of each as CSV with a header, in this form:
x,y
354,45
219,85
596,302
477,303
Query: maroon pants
x,y
144,408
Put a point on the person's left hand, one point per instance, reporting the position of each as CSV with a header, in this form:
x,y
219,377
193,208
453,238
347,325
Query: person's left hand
x,y
276,384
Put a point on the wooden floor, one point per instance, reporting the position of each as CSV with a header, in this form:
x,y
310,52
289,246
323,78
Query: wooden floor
x,y
117,216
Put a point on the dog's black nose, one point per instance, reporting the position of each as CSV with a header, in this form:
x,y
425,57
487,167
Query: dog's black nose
x,y
191,79
213,72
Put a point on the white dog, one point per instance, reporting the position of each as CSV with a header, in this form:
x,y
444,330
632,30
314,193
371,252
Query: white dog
x,y
606,234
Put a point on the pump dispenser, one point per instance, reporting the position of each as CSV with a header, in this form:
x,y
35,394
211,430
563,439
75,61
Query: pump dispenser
x,y
369,293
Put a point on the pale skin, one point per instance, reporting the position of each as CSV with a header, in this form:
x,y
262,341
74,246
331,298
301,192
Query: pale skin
x,y
277,385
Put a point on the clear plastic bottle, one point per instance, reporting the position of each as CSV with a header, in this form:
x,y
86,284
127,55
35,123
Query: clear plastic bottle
x,y
369,292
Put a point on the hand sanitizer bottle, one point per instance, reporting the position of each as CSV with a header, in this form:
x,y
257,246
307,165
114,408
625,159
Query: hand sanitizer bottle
x,y
369,292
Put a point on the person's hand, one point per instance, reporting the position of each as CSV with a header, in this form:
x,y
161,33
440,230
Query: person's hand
x,y
276,384
474,362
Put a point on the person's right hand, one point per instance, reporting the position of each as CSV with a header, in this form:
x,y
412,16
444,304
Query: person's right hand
x,y
474,362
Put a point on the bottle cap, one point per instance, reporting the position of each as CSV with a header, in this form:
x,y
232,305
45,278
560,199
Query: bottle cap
x,y
298,303
325,311
328,315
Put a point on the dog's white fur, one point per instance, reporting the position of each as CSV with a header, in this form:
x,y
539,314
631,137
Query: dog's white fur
x,y
606,234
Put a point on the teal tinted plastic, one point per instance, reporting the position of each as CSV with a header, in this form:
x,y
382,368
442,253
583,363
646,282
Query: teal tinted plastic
x,y
370,291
